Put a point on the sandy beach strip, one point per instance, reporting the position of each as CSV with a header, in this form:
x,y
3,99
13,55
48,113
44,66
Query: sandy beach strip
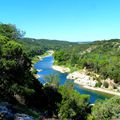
x,y
61,69
99,89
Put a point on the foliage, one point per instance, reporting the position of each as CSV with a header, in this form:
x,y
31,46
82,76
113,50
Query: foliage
x,y
107,110
39,46
98,84
73,105
102,57
16,77
105,84
34,71
14,63
52,99
10,31
52,80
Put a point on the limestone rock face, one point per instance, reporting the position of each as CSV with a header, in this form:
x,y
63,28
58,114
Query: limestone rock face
x,y
6,113
81,78
22,117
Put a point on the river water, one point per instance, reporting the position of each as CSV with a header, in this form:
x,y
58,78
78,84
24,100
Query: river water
x,y
46,66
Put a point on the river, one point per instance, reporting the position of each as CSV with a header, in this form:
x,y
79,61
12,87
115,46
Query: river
x,y
46,66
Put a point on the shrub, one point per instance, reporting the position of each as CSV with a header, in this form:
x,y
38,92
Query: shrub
x,y
105,84
98,84
114,86
107,110
34,71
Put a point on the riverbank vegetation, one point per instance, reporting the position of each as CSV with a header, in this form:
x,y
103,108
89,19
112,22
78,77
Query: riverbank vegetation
x,y
23,93
99,57
17,83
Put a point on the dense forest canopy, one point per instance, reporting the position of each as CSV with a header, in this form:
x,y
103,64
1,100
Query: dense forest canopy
x,y
19,87
40,46
102,57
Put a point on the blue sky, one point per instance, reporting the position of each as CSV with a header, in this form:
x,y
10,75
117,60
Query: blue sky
x,y
71,20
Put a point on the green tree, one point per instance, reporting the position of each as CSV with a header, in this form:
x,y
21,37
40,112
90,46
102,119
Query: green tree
x,y
14,63
73,105
107,110
10,31
52,80
105,84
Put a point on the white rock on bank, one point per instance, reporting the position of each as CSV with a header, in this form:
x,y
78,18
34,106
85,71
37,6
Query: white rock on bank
x,y
37,76
73,75
81,78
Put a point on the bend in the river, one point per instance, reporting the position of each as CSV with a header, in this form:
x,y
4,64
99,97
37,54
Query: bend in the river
x,y
45,65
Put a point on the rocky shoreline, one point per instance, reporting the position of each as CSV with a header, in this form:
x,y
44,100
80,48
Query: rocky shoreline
x,y
81,78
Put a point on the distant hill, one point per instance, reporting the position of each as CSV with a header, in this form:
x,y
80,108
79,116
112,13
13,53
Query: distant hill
x,y
87,42
48,44
39,46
